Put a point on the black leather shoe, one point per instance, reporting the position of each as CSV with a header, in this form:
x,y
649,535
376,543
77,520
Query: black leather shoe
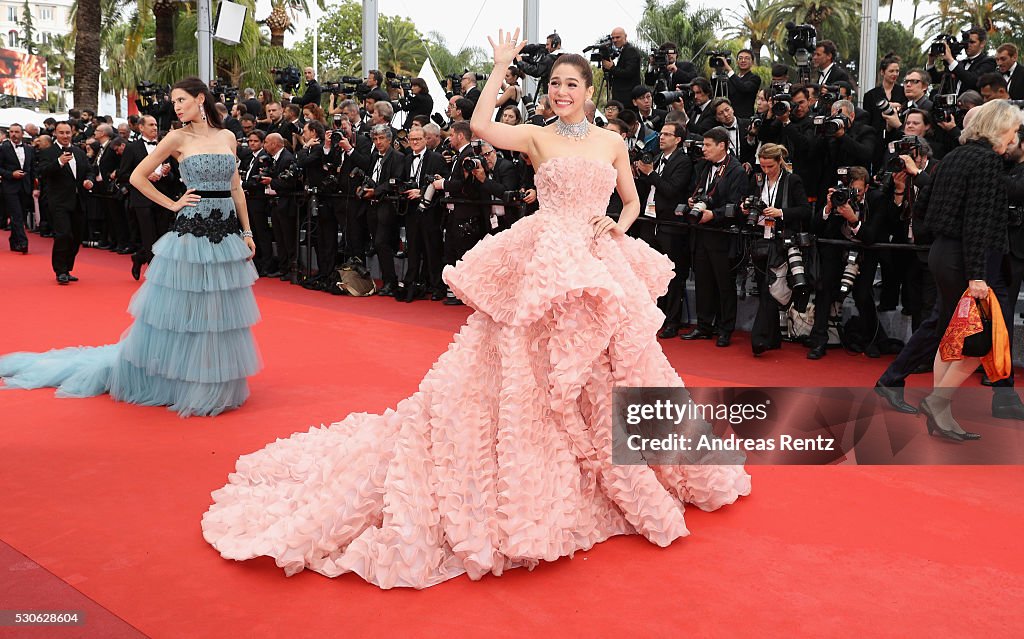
x,y
411,293
668,332
894,395
452,301
697,334
437,296
23,249
724,340
388,290
985,381
125,250
872,351
274,274
72,278
817,352
136,268
63,279
285,277
758,349
1008,410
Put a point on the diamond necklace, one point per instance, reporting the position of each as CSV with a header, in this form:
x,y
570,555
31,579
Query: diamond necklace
x,y
576,131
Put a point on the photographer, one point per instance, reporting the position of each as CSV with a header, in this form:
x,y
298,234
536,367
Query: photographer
x,y
420,102
313,91
469,89
353,159
252,106
1006,63
668,177
888,96
252,168
107,197
17,171
463,222
423,221
838,140
719,186
640,137
824,59
743,86
280,187
702,118
919,123
666,72
739,143
622,70
643,105
381,216
313,159
498,178
783,212
460,109
539,66
851,212
965,72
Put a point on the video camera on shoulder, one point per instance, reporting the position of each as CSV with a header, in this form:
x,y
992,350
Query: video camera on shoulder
x,y
718,59
603,50
288,78
956,47
801,40
532,53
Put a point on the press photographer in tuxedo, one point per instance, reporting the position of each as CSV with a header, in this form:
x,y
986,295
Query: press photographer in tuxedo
x,y
153,220
282,203
668,178
257,202
720,185
69,178
423,225
387,164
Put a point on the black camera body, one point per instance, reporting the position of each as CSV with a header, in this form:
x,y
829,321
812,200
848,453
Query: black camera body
x,y
937,49
514,198
944,107
842,195
640,155
683,92
755,207
701,203
782,103
399,185
694,149
718,59
287,78
603,50
534,51
830,126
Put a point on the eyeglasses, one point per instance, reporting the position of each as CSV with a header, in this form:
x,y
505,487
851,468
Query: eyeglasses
x,y
486,153
912,81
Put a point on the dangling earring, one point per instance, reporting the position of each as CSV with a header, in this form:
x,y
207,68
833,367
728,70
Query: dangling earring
x,y
204,115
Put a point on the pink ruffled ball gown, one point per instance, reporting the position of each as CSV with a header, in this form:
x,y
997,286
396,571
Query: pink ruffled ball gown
x,y
502,458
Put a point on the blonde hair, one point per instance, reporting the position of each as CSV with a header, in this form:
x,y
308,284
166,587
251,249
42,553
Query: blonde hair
x,y
990,122
775,152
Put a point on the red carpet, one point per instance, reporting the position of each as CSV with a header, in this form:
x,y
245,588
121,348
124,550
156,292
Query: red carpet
x,y
101,503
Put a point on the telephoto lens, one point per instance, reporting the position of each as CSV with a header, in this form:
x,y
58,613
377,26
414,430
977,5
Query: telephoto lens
x,y
850,273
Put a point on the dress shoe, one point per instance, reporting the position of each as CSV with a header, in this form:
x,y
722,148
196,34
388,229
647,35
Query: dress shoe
x,y
1008,409
411,294
452,301
936,429
388,290
136,268
894,395
285,277
125,250
817,352
63,279
437,296
104,246
23,249
872,351
697,333
724,340
668,332
72,278
274,274
985,381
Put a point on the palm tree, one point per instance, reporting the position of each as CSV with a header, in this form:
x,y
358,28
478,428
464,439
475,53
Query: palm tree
x,y
837,15
164,11
993,15
279,21
674,22
87,54
60,65
400,47
756,22
128,59
446,62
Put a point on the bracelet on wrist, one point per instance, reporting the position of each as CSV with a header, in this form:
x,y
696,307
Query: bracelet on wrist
x,y
246,234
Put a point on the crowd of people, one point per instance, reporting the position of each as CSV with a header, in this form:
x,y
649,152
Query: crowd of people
x,y
785,185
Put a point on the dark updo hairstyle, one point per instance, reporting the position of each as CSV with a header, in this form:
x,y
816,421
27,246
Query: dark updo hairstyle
x,y
196,87
579,63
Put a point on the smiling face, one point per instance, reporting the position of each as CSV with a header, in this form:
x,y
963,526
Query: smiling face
x,y
891,73
568,92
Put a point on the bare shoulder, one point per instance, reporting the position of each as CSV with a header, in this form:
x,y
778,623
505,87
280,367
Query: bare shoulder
x,y
230,139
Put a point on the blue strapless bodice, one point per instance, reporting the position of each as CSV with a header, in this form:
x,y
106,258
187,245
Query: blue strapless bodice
x,y
208,171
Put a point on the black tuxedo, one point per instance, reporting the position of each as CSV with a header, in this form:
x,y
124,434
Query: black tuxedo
x,y
670,181
655,120
464,222
283,213
311,96
1016,82
871,99
967,72
625,74
153,220
725,186
17,193
106,198
743,92
684,74
473,94
423,229
503,177
254,107
352,210
67,192
745,151
702,122
382,215
835,74
257,205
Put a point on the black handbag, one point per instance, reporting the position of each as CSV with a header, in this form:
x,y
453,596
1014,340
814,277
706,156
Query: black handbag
x,y
980,343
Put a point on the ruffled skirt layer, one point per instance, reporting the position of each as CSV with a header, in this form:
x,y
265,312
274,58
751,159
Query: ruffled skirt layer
x,y
190,347
502,458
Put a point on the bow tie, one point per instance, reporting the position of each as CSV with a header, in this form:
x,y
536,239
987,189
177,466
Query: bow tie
x,y
19,146
150,143
730,128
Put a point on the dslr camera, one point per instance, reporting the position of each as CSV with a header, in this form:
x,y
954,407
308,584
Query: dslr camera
x,y
683,92
755,207
944,107
843,193
701,203
514,198
694,149
476,160
830,126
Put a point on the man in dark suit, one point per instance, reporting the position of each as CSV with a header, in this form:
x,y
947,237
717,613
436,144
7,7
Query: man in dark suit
x,y
282,204
743,86
965,72
252,105
1013,73
69,177
722,183
670,76
824,59
623,73
643,104
739,144
313,91
386,169
469,89
16,171
992,86
353,152
258,204
423,228
106,163
702,117
313,158
498,176
464,221
668,178
153,220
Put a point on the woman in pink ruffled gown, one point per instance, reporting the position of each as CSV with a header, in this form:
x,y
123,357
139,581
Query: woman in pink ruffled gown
x,y
502,458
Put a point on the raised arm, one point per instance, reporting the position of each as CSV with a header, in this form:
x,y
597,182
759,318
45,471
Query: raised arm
x,y
502,136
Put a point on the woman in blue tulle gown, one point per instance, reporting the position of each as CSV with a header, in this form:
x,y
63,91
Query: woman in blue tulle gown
x,y
190,347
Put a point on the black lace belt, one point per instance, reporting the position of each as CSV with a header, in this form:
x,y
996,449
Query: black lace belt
x,y
214,227
220,194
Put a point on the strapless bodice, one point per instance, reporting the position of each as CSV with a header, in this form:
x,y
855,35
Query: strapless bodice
x,y
208,171
575,186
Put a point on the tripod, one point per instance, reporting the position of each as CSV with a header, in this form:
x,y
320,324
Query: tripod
x,y
720,84
605,88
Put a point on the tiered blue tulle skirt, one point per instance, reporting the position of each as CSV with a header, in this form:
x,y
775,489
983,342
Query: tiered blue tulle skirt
x,y
190,347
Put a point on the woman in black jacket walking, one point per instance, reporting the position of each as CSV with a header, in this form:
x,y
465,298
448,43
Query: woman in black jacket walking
x,y
967,211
